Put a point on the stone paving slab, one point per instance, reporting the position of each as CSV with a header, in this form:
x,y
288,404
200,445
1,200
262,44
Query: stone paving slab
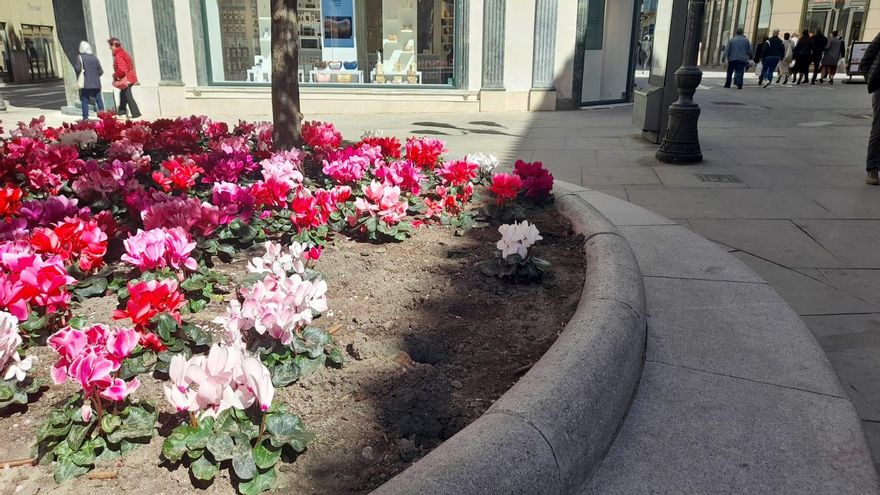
x,y
808,296
749,437
680,203
737,329
676,252
771,203
780,241
853,242
850,341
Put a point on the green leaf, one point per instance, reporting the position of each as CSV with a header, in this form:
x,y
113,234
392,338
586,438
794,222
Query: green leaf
x,y
7,390
260,483
174,447
110,422
34,324
198,438
313,342
77,322
197,335
137,423
285,373
66,469
287,429
334,354
266,457
371,224
195,283
137,365
220,445
166,326
308,366
77,435
243,460
94,286
203,469
227,249
57,425
84,456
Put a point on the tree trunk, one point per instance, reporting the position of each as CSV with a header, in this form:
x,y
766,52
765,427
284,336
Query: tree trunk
x,y
285,75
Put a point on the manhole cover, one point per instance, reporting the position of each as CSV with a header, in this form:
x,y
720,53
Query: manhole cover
x,y
728,178
729,103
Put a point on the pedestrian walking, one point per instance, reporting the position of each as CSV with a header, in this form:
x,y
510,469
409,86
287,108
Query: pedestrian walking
x,y
787,58
773,52
88,78
870,67
759,60
803,55
124,77
820,43
833,53
738,51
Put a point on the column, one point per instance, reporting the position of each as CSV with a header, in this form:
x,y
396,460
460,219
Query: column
x,y
198,32
166,41
461,47
118,22
544,56
493,44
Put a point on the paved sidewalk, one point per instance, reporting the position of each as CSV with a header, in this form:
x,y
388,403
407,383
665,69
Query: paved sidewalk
x,y
782,187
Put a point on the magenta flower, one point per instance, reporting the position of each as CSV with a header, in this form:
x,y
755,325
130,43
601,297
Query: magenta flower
x,y
160,248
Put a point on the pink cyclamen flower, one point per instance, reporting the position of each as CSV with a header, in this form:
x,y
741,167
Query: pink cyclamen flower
x,y
160,248
259,382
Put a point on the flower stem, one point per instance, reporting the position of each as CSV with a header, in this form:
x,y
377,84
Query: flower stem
x,y
262,428
99,408
193,420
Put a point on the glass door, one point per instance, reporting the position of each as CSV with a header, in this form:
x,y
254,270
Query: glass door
x,y
608,49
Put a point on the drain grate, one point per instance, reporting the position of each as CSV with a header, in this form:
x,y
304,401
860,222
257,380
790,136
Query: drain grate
x,y
727,178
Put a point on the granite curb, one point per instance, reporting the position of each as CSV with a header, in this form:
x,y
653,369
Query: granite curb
x,y
551,430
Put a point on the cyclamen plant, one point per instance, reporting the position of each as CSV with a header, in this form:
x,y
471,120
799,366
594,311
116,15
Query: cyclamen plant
x,y
77,437
273,317
232,421
514,261
15,385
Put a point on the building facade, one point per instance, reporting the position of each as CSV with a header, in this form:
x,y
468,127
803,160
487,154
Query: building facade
x,y
364,56
855,20
29,45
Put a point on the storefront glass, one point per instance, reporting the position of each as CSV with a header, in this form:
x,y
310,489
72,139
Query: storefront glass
x,y
39,45
844,16
402,42
762,26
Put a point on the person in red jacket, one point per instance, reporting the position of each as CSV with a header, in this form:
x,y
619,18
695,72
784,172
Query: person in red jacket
x,y
124,77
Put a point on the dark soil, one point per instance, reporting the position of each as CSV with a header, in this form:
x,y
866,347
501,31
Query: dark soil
x,y
430,343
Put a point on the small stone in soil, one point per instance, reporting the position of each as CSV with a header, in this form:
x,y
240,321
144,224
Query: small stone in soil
x,y
367,453
456,384
408,451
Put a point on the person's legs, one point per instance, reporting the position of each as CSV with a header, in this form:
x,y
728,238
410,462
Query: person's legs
x,y
84,100
832,71
817,68
770,64
873,159
135,113
739,68
99,100
123,103
729,74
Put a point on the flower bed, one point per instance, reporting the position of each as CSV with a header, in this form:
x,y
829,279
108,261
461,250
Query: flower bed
x,y
161,227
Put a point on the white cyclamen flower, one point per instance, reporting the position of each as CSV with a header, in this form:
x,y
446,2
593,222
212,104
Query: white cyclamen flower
x,y
279,263
11,364
517,238
487,163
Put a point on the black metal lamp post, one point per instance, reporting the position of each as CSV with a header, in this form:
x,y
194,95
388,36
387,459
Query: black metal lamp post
x,y
681,143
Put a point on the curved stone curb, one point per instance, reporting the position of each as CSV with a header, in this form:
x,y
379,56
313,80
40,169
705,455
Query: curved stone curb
x,y
550,431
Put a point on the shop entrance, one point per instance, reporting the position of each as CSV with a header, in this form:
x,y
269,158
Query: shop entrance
x,y
844,16
608,51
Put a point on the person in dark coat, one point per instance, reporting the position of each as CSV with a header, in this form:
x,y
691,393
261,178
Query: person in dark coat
x,y
774,50
803,55
870,67
759,58
89,66
820,42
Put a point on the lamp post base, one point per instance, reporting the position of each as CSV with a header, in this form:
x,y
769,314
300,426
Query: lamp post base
x,y
681,144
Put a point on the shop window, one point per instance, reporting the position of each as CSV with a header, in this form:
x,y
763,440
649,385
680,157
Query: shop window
x,y
846,17
39,45
342,42
762,25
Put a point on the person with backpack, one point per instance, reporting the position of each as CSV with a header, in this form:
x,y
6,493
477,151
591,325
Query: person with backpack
x,y
870,67
88,78
124,77
774,50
